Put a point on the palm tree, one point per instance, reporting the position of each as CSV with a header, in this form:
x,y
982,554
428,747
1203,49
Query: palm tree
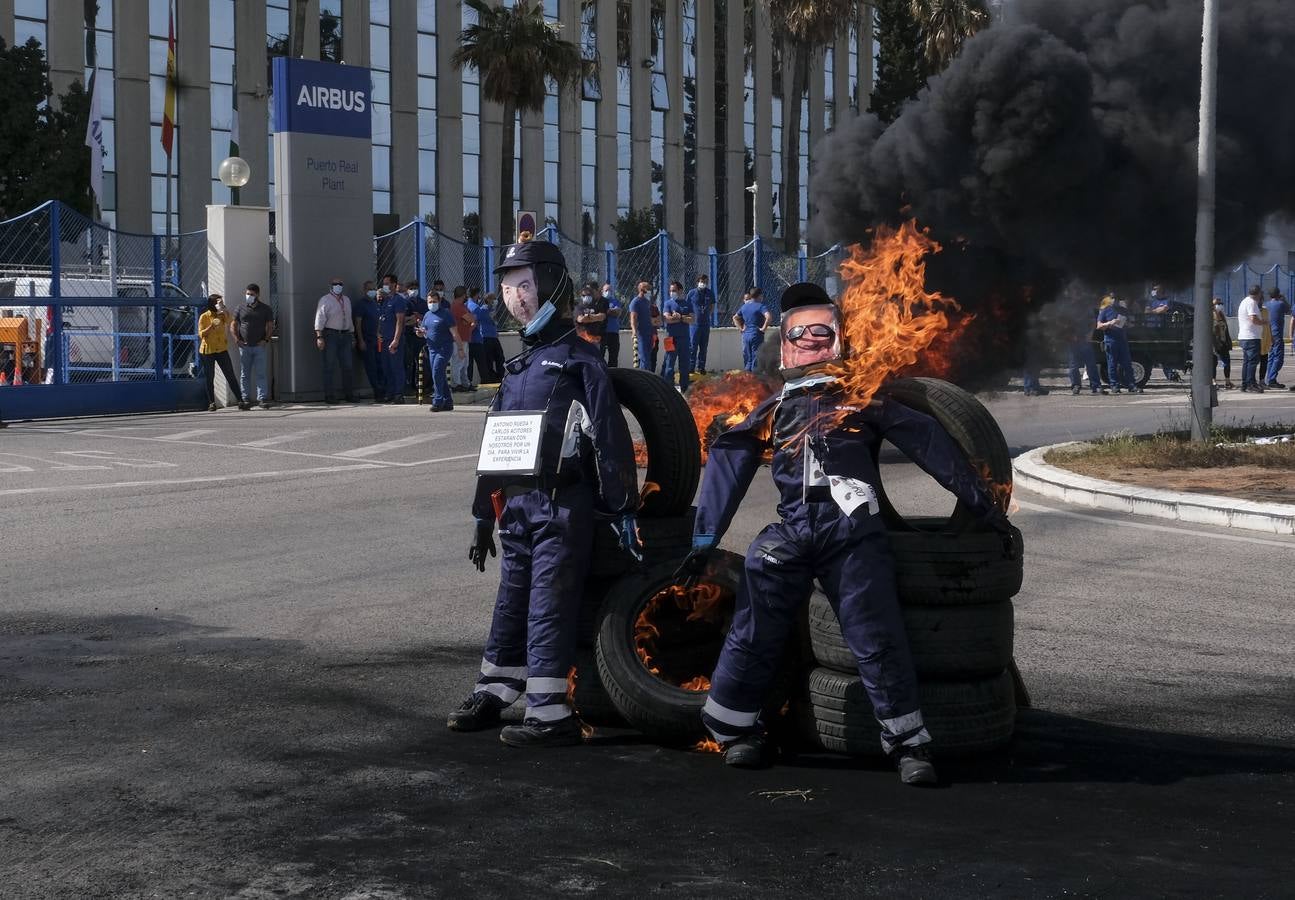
x,y
946,25
808,26
515,52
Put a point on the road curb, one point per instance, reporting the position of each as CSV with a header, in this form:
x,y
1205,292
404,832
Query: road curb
x,y
1032,473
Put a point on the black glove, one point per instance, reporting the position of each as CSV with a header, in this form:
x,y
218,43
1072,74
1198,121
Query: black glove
x,y
694,566
483,541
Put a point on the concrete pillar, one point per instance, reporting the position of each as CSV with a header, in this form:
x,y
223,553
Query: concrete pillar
x,y
404,111
640,105
65,38
310,48
817,111
131,99
253,100
237,242
532,167
492,119
736,198
355,32
195,166
762,69
673,158
6,22
570,192
864,62
449,123
841,79
605,141
705,126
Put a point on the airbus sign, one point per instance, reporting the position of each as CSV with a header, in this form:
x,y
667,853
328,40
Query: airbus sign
x,y
315,97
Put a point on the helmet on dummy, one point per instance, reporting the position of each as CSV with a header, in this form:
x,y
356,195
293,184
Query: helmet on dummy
x,y
810,331
535,283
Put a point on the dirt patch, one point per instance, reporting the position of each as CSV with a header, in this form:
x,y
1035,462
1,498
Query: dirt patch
x,y
1259,483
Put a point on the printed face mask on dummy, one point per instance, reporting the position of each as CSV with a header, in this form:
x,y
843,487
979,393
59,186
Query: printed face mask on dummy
x,y
522,299
811,336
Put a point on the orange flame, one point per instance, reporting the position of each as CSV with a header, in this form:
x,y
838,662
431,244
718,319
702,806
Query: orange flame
x,y
640,454
586,730
1000,491
720,403
706,745
702,603
892,323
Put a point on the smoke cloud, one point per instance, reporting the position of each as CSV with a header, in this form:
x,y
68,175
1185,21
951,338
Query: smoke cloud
x,y
1061,147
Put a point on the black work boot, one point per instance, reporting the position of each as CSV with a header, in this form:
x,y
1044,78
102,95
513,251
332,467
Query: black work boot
x,y
748,752
480,710
534,733
914,765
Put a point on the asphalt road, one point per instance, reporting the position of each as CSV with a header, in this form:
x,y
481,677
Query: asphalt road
x,y
228,641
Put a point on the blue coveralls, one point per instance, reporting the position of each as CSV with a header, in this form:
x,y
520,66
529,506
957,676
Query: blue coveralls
x,y
438,328
703,305
754,314
1277,309
366,311
847,552
393,364
547,527
681,356
644,333
1119,364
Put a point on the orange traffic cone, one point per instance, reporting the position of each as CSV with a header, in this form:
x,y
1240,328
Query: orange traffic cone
x,y
17,374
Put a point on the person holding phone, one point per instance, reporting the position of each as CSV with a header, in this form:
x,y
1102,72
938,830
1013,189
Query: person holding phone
x,y
213,349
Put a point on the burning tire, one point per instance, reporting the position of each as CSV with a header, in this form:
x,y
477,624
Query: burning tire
x,y
936,566
953,642
664,539
971,427
589,697
657,646
963,717
670,435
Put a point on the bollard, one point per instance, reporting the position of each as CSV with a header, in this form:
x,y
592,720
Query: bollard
x,y
419,377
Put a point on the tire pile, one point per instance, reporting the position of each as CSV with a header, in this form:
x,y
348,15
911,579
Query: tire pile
x,y
954,582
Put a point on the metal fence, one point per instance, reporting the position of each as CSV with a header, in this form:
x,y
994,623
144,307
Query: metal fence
x,y
1233,285
97,304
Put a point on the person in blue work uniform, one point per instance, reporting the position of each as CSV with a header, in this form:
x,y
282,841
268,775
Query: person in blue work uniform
x,y
556,397
1160,313
1112,316
753,318
829,529
414,349
702,300
1080,355
364,312
391,328
678,315
643,328
492,352
437,330
612,333
1278,309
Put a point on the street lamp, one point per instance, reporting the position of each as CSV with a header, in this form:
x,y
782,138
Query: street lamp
x,y
234,172
754,190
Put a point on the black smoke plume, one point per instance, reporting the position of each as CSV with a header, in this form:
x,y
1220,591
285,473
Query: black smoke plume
x,y
1060,147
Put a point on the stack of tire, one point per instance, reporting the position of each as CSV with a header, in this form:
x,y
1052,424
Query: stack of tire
x,y
673,450
955,585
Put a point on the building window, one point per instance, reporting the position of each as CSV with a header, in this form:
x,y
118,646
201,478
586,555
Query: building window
x,y
330,30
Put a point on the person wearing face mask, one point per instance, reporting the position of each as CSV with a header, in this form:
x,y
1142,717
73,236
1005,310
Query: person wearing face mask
x,y
492,352
437,329
213,349
702,300
591,315
252,328
391,329
1222,340
335,340
555,449
415,308
365,321
612,333
464,322
678,315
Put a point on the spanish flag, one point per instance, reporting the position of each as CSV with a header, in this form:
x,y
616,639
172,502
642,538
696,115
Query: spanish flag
x,y
168,107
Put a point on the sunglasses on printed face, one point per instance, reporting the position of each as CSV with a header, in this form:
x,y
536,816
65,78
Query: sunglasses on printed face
x,y
817,329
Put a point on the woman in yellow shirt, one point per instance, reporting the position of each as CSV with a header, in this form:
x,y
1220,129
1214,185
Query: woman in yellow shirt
x,y
213,349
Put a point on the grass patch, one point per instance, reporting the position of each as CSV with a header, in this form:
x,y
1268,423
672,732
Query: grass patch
x,y
1175,450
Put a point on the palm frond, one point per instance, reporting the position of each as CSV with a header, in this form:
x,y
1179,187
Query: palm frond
x,y
813,23
516,51
946,25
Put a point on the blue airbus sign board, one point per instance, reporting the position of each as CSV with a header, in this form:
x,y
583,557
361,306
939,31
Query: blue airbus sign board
x,y
312,97
323,200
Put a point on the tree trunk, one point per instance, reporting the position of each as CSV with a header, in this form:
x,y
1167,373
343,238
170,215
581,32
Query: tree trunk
x,y
791,149
506,212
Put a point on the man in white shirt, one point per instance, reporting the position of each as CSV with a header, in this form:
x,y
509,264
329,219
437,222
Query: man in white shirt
x,y
1250,325
335,338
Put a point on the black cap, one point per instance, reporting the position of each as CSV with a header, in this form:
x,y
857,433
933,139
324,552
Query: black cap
x,y
530,253
804,293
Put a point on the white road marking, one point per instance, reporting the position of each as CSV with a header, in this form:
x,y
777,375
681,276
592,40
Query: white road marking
x,y
375,449
206,479
185,435
13,468
103,433
1146,526
424,462
53,463
278,439
124,461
